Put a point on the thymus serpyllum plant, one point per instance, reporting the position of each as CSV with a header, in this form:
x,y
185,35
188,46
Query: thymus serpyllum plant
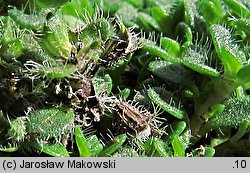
x,y
124,78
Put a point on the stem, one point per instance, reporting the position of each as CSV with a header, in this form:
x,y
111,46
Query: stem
x,y
202,131
241,132
220,91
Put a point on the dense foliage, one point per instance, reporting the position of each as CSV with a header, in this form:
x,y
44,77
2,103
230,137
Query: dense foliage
x,y
166,78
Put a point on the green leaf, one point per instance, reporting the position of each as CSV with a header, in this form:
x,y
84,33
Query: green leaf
x,y
17,130
81,143
215,110
98,29
102,84
148,146
184,33
56,150
170,72
57,72
209,152
126,152
14,50
190,12
243,24
11,42
152,48
8,30
114,146
163,19
226,50
34,22
94,146
124,94
147,22
243,76
221,37
77,8
49,3
126,12
185,138
210,10
231,62
238,8
138,3
170,45
160,147
201,68
196,61
174,129
156,95
56,40
179,150
236,112
50,122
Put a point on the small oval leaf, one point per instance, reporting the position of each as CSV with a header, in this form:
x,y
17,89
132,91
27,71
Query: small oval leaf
x,y
152,48
94,145
156,98
81,143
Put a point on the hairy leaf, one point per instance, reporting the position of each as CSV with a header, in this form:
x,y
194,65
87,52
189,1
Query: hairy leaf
x,y
50,122
156,95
